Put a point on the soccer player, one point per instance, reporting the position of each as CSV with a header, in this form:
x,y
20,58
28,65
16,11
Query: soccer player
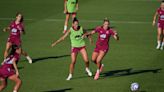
x,y
16,28
70,8
102,44
78,45
160,33
9,70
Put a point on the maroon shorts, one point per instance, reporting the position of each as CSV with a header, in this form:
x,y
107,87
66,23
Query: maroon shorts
x,y
73,13
14,41
76,49
161,25
6,71
98,48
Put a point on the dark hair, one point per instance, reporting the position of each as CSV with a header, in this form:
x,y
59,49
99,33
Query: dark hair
x,y
162,1
22,19
13,49
106,20
75,20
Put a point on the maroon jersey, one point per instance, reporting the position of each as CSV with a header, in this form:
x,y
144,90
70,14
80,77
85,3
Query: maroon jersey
x,y
161,15
9,60
103,37
16,30
7,69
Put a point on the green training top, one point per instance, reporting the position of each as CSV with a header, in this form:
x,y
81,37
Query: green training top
x,y
76,37
71,6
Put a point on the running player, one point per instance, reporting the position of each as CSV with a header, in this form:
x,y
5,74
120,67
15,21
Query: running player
x,y
9,69
102,44
16,28
160,33
70,8
78,45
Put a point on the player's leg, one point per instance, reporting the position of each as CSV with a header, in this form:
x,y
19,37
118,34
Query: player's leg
x,y
66,22
159,32
99,65
3,83
85,58
27,56
94,56
162,45
17,81
8,46
73,15
72,65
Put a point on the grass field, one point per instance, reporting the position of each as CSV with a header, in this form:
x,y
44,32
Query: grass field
x,y
135,52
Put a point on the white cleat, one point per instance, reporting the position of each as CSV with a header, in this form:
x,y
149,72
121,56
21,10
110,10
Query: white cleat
x,y
29,59
69,77
161,48
158,47
88,72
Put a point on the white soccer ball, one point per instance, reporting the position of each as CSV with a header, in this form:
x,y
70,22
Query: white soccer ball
x,y
134,87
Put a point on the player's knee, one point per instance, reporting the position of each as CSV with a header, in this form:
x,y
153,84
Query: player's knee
x,y
73,63
3,86
19,82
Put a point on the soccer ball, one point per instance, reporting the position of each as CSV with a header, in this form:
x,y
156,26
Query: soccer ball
x,y
134,87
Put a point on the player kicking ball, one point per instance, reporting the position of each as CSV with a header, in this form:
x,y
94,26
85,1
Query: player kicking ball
x,y
78,46
102,44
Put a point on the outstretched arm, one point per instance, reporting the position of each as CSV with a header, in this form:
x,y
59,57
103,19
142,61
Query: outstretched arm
x,y
61,38
77,6
154,18
116,37
6,29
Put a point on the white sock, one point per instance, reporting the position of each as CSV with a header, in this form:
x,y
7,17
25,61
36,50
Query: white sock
x,y
14,91
162,44
87,69
65,28
28,57
98,70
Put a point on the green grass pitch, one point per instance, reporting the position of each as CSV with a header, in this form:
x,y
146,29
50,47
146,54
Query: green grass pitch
x,y
132,59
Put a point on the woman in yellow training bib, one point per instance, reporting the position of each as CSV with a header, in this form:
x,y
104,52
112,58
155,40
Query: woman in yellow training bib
x,y
70,8
78,45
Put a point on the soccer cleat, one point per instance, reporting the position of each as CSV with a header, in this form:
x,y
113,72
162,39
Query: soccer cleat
x,y
101,68
161,48
97,75
69,77
158,47
88,72
29,59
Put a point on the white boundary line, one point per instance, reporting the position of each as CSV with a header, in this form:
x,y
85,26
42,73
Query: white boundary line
x,y
90,21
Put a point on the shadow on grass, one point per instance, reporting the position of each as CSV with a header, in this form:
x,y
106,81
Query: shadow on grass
x,y
128,72
60,90
50,57
20,67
